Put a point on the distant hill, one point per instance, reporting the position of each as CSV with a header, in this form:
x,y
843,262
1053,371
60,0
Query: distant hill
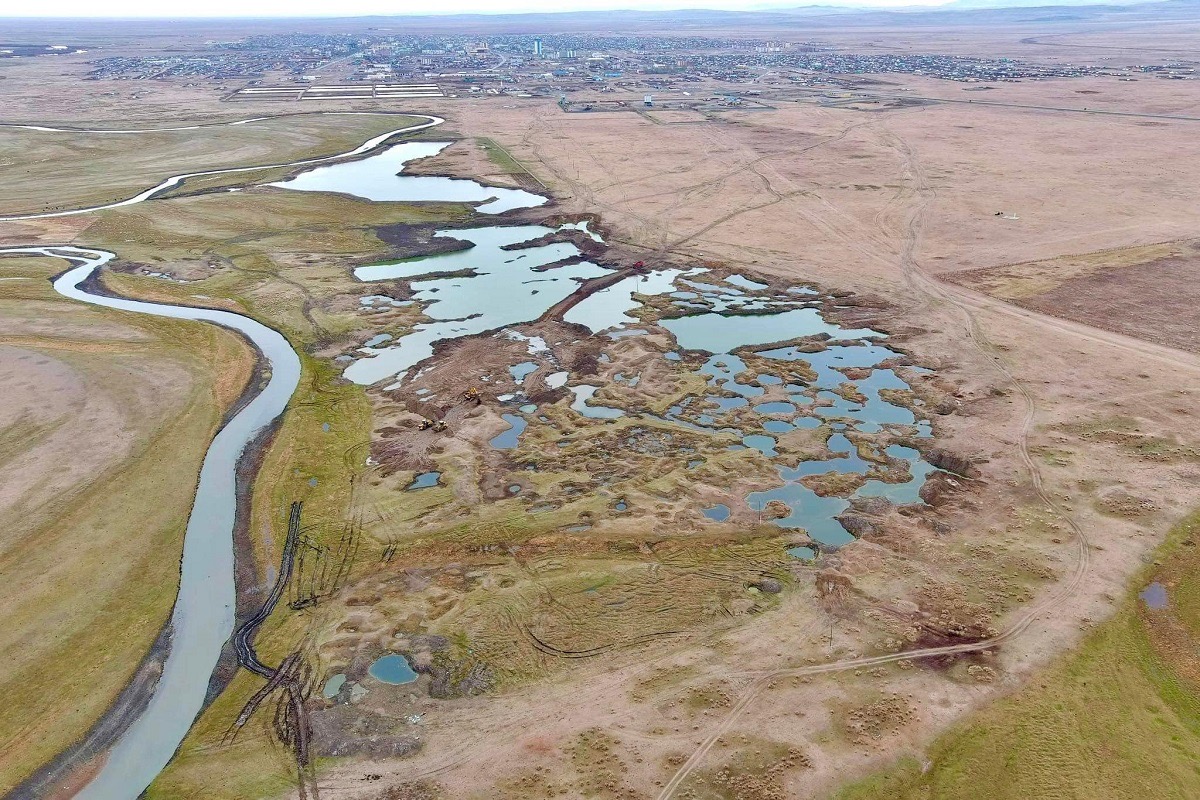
x,y
815,18
970,5
771,18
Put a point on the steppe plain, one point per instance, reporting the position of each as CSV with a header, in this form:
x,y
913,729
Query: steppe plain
x,y
1061,333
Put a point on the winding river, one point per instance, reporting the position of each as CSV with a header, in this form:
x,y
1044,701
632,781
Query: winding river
x,y
202,620
175,180
203,617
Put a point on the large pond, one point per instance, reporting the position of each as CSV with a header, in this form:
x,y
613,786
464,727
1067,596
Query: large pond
x,y
377,177
472,291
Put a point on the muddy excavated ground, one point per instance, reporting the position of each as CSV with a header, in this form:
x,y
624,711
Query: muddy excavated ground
x,y
582,544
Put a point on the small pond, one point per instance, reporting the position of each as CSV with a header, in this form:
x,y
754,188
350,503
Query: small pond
x,y
717,513
1154,595
583,396
509,439
333,686
393,669
423,481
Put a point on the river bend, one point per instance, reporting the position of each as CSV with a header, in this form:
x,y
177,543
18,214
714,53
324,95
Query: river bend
x,y
203,616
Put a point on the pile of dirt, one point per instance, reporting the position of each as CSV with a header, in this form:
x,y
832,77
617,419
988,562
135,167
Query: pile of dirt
x,y
462,677
856,525
602,772
349,731
415,790
938,488
951,462
755,776
410,241
1123,504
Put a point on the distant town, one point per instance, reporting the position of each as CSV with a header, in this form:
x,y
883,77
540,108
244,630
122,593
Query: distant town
x,y
281,66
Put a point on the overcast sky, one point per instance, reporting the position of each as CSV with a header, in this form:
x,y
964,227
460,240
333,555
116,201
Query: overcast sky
x,y
347,8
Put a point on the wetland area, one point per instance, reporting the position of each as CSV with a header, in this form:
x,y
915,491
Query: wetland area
x,y
691,367
520,452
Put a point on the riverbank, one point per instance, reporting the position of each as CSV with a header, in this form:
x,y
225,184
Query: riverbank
x,y
99,541
203,615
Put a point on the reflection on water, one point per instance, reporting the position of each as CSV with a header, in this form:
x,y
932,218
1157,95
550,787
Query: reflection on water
x,y
583,405
1154,595
378,178
482,289
509,439
719,333
832,397
424,481
608,308
841,385
393,669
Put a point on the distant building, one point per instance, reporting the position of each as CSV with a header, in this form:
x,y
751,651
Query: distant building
x,y
648,100
537,47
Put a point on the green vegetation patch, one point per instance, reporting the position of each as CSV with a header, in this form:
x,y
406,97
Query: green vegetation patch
x,y
1120,718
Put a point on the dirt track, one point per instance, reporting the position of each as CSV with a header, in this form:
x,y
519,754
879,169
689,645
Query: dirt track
x,y
745,208
905,216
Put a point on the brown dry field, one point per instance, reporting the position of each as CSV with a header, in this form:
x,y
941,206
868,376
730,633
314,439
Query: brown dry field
x,y
882,203
1146,292
893,203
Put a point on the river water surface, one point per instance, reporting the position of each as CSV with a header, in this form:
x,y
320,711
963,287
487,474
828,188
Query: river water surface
x,y
203,617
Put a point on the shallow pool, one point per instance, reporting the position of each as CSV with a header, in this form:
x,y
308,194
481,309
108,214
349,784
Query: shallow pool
x,y
424,481
509,439
393,669
717,513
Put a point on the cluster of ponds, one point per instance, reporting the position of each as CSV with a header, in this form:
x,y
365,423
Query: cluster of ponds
x,y
735,405
501,281
392,669
816,387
